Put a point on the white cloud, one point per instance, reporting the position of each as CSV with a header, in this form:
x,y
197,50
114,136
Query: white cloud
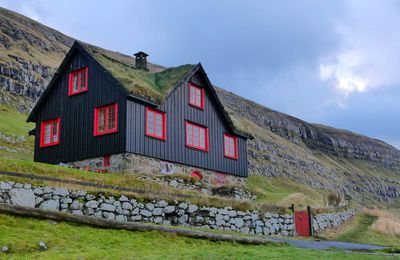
x,y
369,56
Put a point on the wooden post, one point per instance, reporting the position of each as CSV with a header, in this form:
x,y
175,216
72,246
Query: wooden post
x,y
294,219
310,218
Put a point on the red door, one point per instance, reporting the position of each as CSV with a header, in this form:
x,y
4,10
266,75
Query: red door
x,y
302,223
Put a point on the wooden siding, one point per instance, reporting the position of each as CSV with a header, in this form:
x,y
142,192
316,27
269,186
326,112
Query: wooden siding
x,y
76,129
174,149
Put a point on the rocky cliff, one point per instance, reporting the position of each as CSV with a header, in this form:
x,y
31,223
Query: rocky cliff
x,y
319,156
29,55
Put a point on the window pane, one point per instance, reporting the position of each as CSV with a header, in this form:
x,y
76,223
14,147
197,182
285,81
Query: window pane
x,y
83,80
47,133
111,118
159,131
75,82
54,132
189,134
159,125
196,136
192,95
150,122
159,120
202,138
101,120
198,100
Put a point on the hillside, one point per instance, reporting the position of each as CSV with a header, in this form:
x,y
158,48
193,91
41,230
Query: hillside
x,y
284,146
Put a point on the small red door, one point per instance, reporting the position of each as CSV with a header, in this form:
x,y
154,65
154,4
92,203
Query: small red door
x,y
302,223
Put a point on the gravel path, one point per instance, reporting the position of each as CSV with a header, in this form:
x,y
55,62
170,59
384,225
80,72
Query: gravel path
x,y
327,244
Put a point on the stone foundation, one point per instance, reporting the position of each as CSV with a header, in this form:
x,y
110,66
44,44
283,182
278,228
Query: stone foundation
x,y
132,163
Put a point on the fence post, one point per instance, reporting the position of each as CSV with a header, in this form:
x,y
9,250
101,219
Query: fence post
x,y
294,219
310,218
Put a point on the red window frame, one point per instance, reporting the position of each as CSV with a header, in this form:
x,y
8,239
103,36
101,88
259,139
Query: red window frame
x,y
106,161
96,119
205,136
235,156
194,87
163,135
81,89
42,133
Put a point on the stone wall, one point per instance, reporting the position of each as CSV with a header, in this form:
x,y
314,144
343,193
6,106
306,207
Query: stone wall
x,y
133,163
324,221
124,209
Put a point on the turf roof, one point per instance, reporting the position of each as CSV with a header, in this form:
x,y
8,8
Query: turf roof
x,y
154,84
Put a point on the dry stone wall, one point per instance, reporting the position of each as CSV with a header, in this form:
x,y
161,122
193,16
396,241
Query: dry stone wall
x,y
324,221
124,209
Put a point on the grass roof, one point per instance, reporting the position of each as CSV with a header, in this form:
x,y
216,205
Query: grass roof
x,y
155,84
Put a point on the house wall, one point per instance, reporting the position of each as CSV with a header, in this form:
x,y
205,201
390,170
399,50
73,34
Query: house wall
x,y
77,116
178,110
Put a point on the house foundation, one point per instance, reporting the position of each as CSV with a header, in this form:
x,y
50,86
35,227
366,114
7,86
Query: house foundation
x,y
138,164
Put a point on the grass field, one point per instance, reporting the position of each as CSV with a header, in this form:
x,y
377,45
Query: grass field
x,y
13,125
71,241
284,192
363,229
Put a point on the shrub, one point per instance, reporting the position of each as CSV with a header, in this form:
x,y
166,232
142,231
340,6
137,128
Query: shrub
x,y
334,200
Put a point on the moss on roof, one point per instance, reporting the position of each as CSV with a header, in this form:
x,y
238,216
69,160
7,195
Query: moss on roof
x,y
153,85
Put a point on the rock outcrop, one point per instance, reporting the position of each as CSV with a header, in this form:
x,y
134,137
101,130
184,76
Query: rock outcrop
x,y
29,55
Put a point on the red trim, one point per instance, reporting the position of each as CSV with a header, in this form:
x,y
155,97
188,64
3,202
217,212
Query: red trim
x,y
205,133
234,144
42,132
96,120
192,87
71,91
164,124
106,160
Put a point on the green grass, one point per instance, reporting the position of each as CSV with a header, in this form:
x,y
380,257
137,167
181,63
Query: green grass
x,y
284,191
12,124
123,180
359,231
72,241
151,85
116,179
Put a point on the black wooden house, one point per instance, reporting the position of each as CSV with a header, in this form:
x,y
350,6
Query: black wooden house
x,y
101,103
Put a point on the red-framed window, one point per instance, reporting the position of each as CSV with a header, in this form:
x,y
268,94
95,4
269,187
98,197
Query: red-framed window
x,y
106,119
156,123
50,132
106,161
196,96
230,146
196,136
78,81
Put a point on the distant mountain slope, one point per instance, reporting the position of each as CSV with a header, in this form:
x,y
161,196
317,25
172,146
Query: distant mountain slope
x,y
319,156
326,139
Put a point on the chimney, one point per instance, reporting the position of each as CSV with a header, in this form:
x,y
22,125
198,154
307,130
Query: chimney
x,y
141,60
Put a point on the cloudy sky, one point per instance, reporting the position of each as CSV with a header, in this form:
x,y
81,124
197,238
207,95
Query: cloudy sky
x,y
330,62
